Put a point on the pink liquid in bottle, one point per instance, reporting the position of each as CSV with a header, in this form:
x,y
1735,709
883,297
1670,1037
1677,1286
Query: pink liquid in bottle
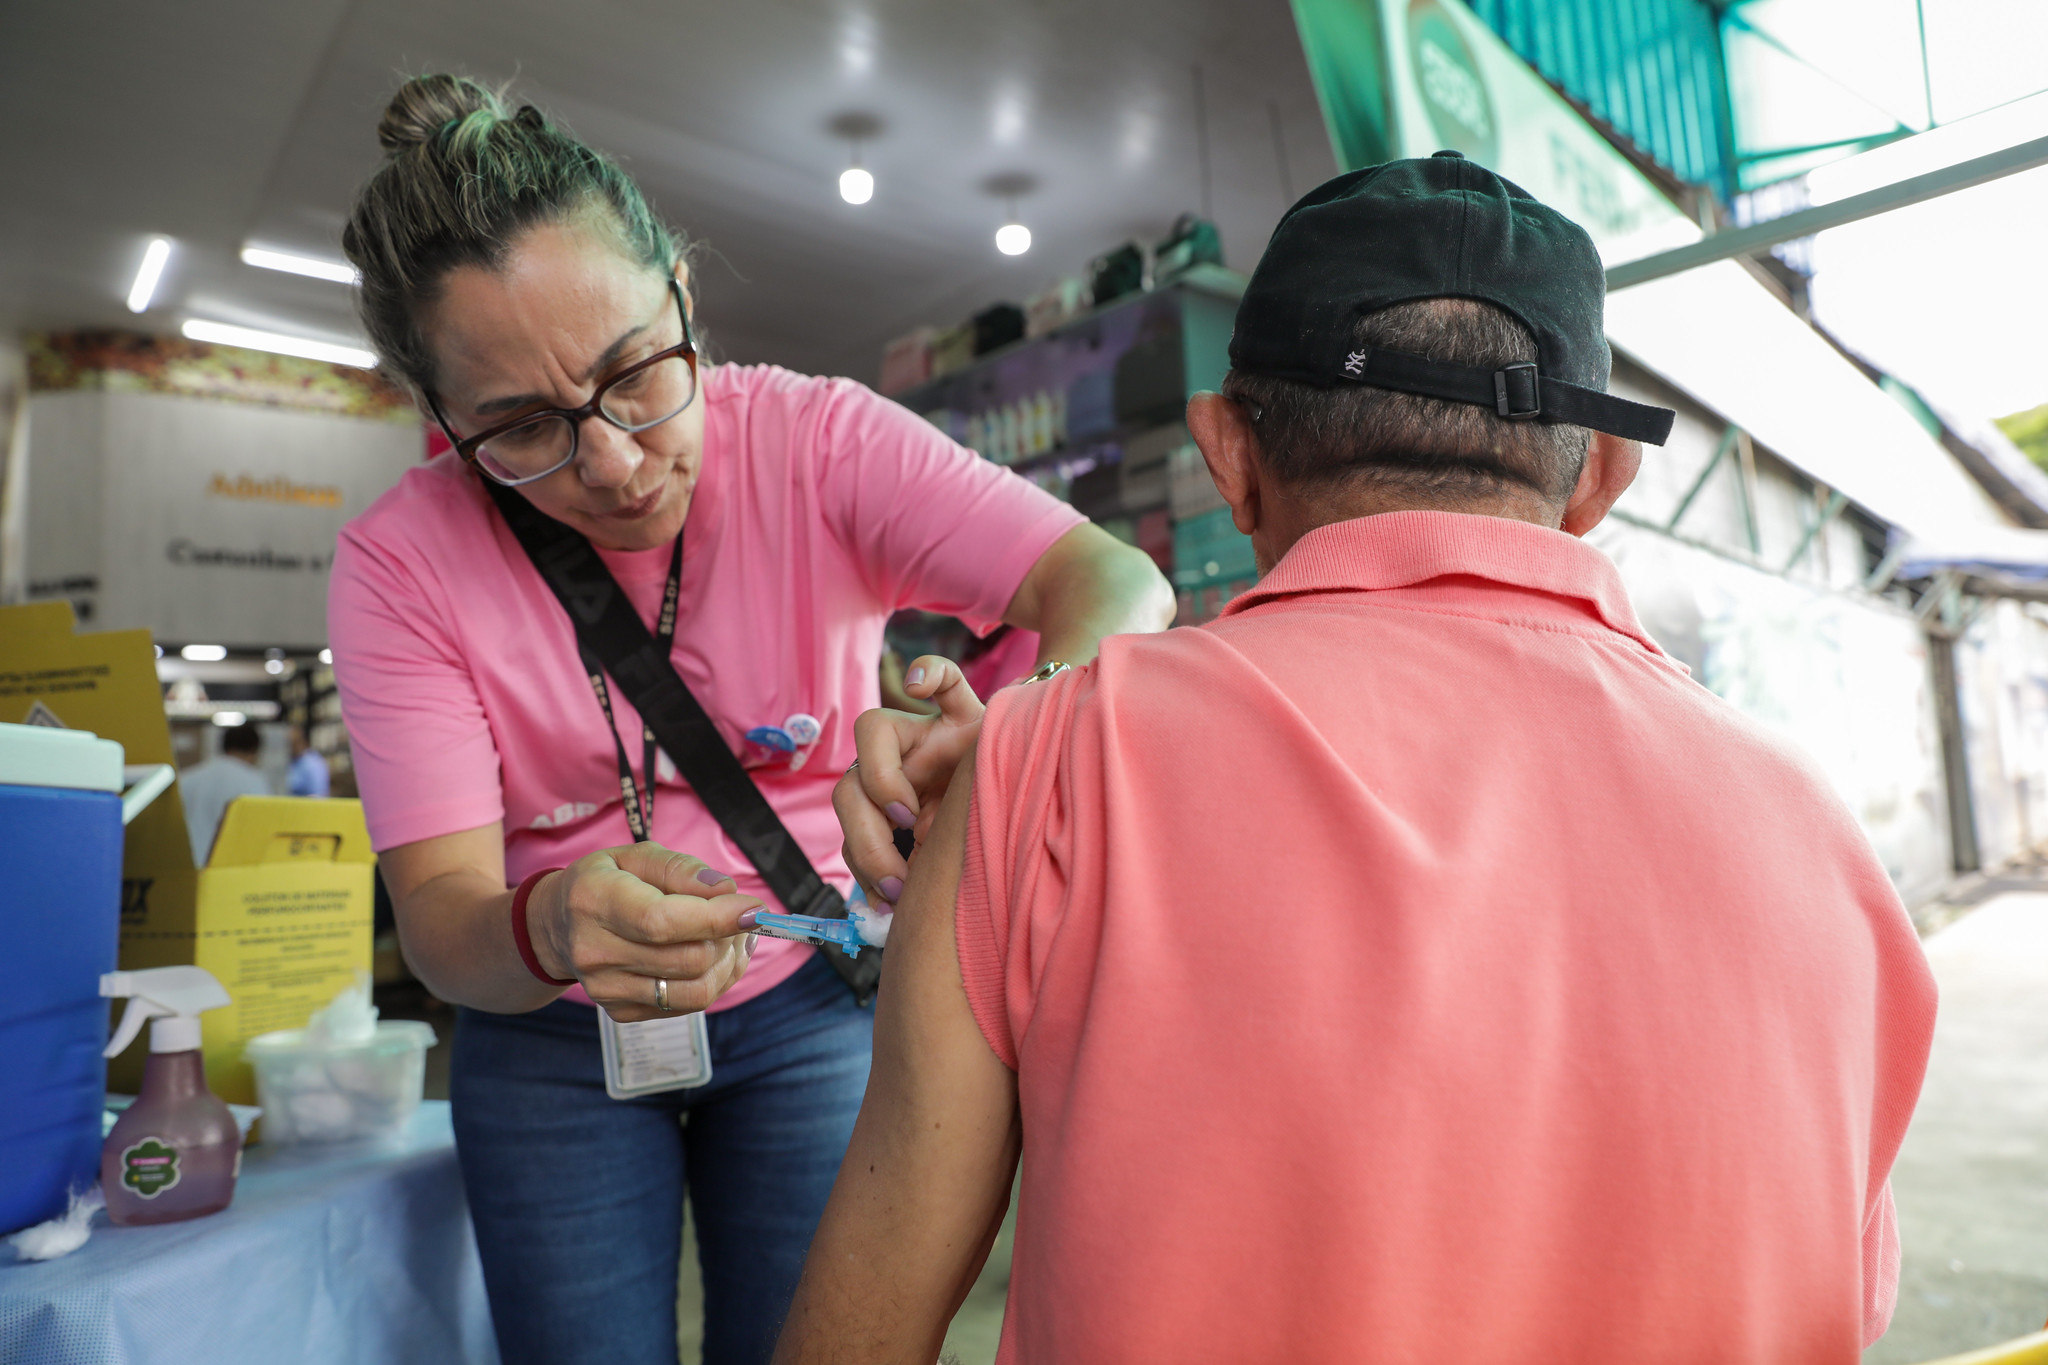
x,y
175,1153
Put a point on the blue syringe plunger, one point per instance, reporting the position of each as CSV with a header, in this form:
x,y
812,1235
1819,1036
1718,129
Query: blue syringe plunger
x,y
812,929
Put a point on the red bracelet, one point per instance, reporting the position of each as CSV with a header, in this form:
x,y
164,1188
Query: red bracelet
x,y
519,933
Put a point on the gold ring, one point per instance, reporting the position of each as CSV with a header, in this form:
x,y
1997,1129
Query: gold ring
x,y
661,994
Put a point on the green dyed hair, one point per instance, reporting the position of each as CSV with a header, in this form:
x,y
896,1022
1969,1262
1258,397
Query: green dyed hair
x,y
464,175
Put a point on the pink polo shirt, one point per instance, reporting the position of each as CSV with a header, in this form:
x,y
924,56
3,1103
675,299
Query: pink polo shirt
x,y
1414,964
821,509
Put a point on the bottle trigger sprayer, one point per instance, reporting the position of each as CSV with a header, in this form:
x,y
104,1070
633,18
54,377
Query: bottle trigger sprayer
x,y
175,1152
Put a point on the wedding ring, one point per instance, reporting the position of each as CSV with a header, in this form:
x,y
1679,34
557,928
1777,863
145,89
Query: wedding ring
x,y
661,994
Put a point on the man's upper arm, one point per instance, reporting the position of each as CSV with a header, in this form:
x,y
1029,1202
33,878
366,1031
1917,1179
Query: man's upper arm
x,y
927,1176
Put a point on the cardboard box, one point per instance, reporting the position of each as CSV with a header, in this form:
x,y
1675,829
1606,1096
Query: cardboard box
x,y
280,913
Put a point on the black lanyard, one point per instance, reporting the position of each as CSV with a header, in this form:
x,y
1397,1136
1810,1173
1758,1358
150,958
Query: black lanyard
x,y
639,809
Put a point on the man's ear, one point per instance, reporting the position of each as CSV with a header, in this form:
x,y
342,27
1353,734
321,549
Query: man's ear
x,y
1611,465
1223,433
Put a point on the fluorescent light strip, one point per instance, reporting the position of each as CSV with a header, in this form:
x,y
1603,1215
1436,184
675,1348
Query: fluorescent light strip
x,y
339,272
221,334
158,252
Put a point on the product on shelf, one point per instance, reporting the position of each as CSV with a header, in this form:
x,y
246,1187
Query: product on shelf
x,y
1116,273
1193,241
1054,305
907,361
1189,489
996,326
952,349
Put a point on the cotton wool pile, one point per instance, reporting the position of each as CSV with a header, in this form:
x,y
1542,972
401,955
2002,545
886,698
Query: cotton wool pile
x,y
344,1075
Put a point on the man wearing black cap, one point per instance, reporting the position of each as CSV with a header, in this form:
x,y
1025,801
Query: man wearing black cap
x,y
1413,964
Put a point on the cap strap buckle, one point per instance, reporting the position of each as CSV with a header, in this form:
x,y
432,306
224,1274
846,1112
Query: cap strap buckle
x,y
1517,395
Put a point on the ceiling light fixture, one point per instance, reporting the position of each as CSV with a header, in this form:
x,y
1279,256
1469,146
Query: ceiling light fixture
x,y
205,654
1012,238
857,126
229,719
221,334
338,271
153,259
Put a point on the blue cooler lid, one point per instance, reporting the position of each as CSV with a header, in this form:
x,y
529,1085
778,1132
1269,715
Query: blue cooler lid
x,y
42,756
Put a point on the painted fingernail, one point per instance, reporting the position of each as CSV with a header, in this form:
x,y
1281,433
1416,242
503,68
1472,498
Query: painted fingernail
x,y
891,889
900,813
709,876
915,675
748,917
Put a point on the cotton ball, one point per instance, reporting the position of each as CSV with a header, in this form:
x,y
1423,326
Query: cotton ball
x,y
358,1075
874,928
320,1114
63,1234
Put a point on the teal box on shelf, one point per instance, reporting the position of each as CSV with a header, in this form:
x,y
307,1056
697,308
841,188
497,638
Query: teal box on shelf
x,y
1208,549
60,917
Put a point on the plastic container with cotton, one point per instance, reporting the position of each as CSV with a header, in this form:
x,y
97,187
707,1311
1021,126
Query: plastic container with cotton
x,y
345,1075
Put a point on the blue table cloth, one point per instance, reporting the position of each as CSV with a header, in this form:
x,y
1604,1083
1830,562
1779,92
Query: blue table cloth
x,y
346,1253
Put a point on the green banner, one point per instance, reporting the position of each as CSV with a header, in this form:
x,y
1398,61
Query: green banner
x,y
1409,77
1341,39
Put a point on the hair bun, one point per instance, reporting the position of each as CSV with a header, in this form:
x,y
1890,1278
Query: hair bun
x,y
425,105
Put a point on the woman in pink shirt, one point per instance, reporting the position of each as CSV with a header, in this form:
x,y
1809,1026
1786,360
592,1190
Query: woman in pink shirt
x,y
765,525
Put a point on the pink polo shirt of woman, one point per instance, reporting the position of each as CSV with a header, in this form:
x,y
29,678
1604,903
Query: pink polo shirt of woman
x,y
1415,965
821,509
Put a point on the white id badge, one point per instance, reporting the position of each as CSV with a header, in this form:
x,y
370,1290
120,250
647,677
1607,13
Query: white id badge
x,y
654,1055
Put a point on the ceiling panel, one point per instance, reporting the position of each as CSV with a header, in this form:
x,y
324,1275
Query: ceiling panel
x,y
224,121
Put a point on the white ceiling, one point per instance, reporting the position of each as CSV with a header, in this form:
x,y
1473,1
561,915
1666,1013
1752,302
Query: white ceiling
x,y
220,122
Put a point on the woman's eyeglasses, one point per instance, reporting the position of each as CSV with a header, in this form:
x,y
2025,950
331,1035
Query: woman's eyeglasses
x,y
536,444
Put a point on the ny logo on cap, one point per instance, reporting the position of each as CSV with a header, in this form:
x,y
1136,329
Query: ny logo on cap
x,y
1354,364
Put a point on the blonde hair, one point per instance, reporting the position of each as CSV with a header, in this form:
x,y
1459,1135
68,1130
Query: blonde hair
x,y
464,175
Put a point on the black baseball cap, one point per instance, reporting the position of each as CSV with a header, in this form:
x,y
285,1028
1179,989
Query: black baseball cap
x,y
1426,228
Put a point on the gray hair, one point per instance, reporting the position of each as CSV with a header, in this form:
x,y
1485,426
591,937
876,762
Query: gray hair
x,y
1442,451
463,176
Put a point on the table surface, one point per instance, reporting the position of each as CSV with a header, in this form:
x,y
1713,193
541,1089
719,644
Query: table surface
x,y
345,1252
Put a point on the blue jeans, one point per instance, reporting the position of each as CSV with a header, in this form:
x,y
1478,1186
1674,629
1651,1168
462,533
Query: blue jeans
x,y
578,1197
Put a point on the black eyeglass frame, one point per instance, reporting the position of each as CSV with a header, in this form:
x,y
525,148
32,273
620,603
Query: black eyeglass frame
x,y
467,446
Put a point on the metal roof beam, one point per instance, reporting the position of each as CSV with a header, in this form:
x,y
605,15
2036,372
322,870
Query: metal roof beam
x,y
1918,189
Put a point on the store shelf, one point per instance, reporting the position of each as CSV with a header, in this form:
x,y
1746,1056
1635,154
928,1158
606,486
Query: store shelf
x,y
1097,403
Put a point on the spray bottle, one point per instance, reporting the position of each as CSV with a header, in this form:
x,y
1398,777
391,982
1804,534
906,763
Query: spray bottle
x,y
176,1151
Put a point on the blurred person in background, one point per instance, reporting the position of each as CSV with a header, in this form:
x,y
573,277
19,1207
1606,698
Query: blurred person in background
x,y
209,786
520,283
309,766
1414,963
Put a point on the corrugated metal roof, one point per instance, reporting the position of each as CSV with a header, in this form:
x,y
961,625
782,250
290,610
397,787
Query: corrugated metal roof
x,y
1652,69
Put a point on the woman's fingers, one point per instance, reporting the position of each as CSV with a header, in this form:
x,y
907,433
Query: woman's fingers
x,y
934,678
623,924
870,845
678,874
880,740
629,994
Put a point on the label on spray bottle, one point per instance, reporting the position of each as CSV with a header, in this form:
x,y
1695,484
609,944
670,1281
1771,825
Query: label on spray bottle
x,y
149,1167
